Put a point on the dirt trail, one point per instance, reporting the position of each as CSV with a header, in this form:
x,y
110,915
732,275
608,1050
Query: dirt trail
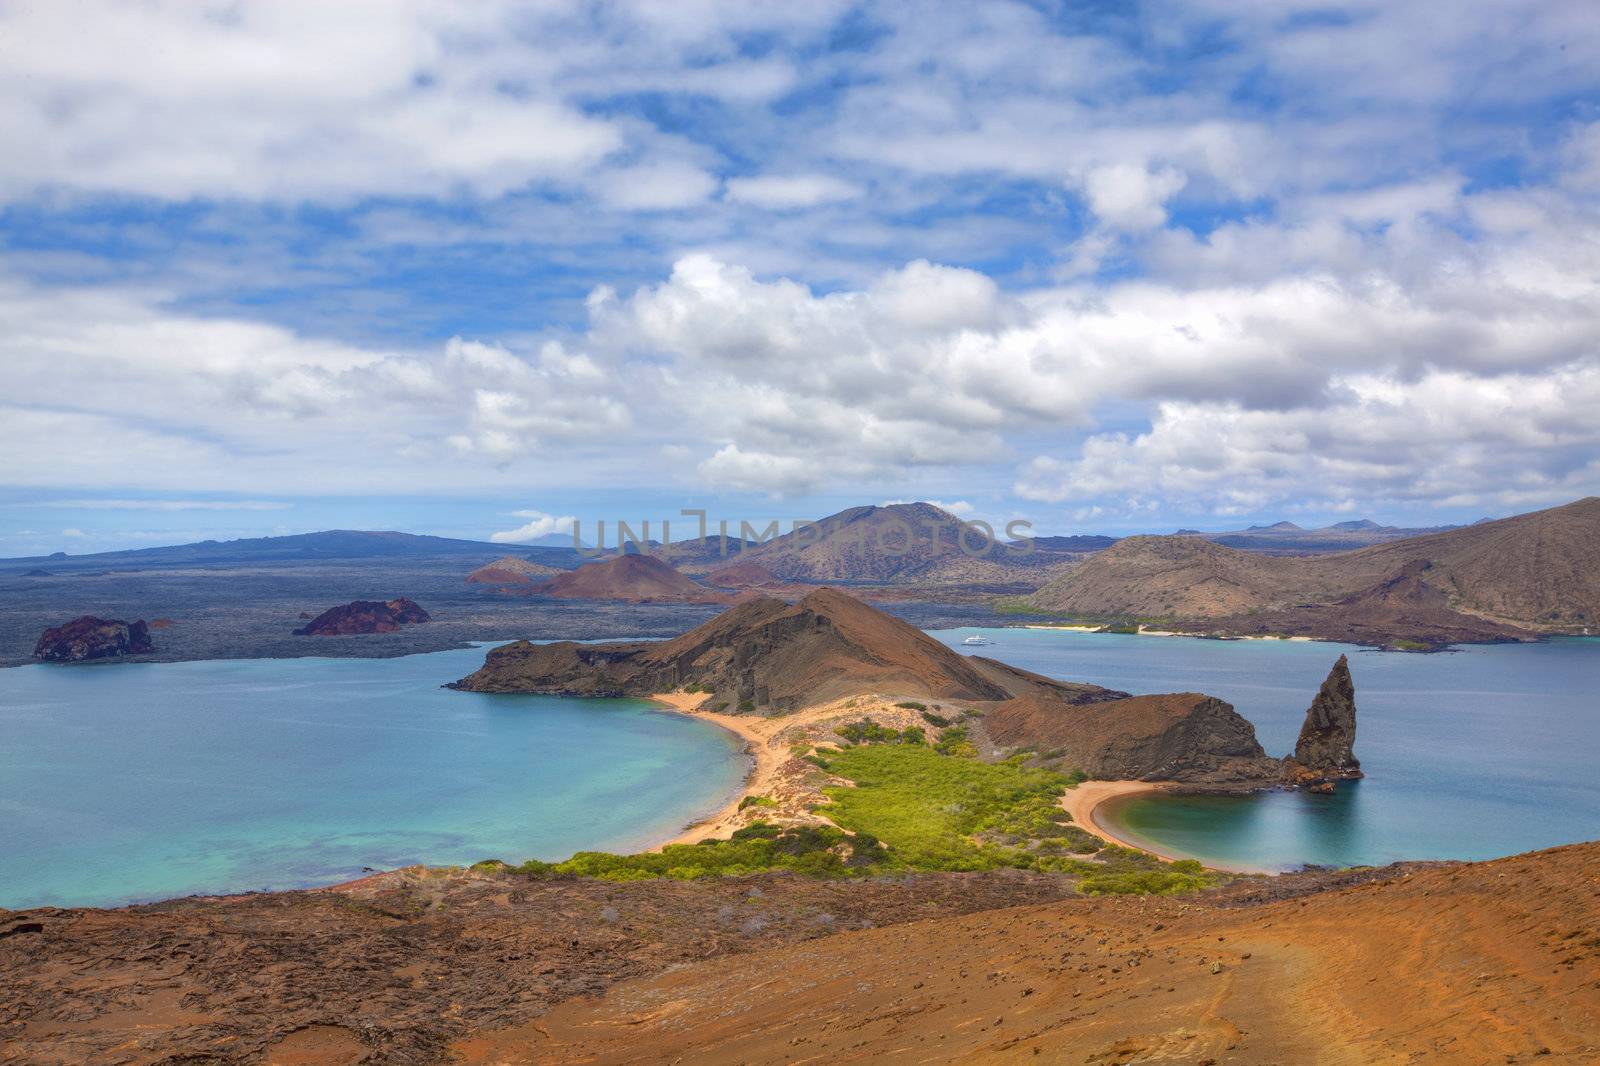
x,y
1495,962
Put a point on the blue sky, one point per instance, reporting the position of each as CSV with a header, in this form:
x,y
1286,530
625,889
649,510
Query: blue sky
x,y
1111,267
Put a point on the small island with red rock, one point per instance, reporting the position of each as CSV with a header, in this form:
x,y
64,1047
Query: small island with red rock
x,y
364,616
88,637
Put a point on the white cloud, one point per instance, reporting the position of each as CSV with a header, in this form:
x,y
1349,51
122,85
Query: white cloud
x,y
160,505
659,186
1127,196
780,191
539,525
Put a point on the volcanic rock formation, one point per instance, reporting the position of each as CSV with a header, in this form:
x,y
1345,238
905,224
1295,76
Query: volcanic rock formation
x,y
364,616
1176,736
769,657
1325,751
89,637
762,654
511,570
631,578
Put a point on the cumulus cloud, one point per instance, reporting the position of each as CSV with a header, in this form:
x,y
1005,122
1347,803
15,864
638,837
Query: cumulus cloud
x,y
1127,196
539,524
1227,257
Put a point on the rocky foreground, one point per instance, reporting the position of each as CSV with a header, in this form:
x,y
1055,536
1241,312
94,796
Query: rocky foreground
x,y
1489,962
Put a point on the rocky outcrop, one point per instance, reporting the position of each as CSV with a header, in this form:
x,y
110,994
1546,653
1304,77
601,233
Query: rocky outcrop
x,y
1325,752
364,616
1178,736
89,637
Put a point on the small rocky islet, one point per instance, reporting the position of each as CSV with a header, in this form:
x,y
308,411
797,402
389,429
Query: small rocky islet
x,y
364,616
89,638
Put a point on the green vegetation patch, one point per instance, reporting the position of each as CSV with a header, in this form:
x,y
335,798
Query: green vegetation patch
x,y
818,851
866,731
912,807
956,741
936,812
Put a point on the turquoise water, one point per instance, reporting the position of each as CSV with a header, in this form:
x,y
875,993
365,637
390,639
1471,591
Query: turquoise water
x,y
1471,754
135,781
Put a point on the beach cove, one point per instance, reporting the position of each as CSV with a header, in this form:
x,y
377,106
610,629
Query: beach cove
x,y
1475,753
139,781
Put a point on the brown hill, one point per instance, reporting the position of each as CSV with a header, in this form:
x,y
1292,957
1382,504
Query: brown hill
x,y
763,653
768,657
511,570
1534,571
364,616
1539,570
1402,610
897,543
634,578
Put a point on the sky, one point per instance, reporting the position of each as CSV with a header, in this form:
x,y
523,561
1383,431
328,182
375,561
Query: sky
x,y
474,269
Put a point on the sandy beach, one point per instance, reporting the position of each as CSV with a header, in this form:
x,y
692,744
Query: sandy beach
x,y
1144,632
758,735
1082,801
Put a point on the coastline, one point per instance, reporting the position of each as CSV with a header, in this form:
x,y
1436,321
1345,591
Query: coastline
x,y
764,764
1082,803
1144,632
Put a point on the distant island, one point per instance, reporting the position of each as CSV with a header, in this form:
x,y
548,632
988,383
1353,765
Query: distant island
x,y
364,616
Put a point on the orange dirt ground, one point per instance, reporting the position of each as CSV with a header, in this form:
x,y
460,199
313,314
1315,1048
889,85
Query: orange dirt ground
x,y
1487,963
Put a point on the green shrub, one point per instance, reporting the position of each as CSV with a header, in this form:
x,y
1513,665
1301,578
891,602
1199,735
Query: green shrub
x,y
932,719
757,801
929,808
746,706
956,741
812,850
913,705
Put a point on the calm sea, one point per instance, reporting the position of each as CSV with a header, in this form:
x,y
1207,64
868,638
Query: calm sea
x,y
1470,754
133,781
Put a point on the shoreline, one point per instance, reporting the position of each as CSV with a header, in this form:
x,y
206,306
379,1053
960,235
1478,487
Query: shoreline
x,y
1082,803
757,744
1143,632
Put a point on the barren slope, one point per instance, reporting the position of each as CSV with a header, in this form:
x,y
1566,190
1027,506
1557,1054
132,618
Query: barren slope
x,y
511,570
1492,962
763,654
633,578
1538,570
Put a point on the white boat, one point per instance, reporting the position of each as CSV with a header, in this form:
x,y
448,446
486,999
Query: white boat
x,y
976,640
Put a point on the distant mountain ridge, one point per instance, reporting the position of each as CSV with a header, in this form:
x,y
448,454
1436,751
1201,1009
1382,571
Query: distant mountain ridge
x,y
1538,571
329,544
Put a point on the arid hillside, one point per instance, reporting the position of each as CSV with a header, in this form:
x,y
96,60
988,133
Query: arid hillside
x,y
1536,571
1484,963
898,543
769,658
1492,962
511,570
631,578
764,655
